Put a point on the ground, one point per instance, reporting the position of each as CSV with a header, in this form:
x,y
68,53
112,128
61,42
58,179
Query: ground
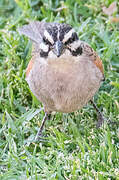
x,y
74,148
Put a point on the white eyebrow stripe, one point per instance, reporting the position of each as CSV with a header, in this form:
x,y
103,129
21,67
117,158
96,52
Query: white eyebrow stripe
x,y
44,47
48,36
68,35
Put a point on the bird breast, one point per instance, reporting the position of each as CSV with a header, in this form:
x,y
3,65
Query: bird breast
x,y
64,84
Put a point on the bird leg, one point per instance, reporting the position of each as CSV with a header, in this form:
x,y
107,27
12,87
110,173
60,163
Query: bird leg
x,y
46,117
100,115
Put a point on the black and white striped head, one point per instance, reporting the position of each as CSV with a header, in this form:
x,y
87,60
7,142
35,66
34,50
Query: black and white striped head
x,y
59,37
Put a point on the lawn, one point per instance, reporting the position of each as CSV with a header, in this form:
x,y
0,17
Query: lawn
x,y
74,148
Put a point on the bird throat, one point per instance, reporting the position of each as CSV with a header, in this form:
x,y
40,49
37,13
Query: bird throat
x,y
63,64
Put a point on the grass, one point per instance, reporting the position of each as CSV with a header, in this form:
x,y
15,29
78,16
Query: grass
x,y
74,148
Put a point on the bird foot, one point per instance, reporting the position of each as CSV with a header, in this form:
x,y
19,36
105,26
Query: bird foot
x,y
99,115
100,120
39,136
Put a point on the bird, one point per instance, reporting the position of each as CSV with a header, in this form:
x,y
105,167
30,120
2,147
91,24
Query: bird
x,y
64,72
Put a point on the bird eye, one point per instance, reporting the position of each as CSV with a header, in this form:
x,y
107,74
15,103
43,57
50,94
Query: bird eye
x,y
46,41
73,38
51,47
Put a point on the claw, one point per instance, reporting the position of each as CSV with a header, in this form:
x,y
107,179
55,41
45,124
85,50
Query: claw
x,y
39,133
100,115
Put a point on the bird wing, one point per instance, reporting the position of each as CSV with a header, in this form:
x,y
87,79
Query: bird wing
x,y
88,51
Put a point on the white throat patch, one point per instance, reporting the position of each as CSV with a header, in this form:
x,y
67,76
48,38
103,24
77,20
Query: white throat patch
x,y
44,47
75,45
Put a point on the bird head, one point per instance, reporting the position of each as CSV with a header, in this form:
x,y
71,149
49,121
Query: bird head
x,y
60,37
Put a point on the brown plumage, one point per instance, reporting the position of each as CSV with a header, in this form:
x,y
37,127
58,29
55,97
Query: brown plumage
x,y
64,72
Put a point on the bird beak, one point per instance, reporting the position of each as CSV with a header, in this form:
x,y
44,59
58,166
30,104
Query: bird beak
x,y
58,48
